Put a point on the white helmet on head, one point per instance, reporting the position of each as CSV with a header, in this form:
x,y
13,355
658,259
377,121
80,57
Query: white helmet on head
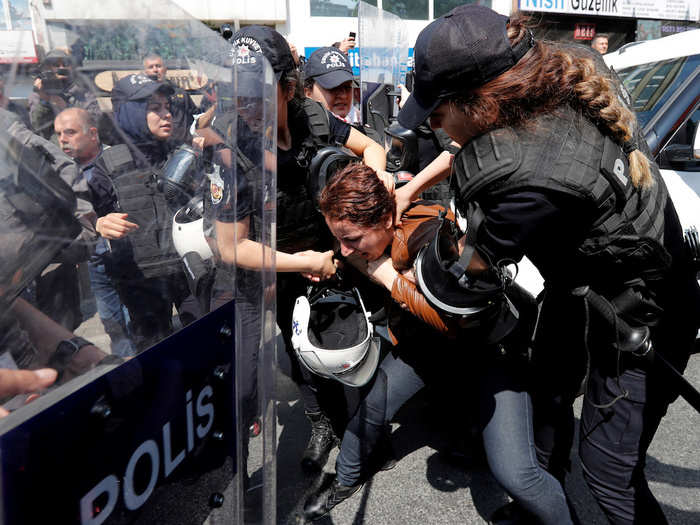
x,y
333,337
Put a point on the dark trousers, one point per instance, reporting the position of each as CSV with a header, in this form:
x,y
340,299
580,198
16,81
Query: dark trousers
x,y
113,314
504,414
613,439
150,303
248,328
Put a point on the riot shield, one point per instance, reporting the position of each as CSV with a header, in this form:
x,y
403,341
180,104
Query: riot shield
x,y
155,353
383,64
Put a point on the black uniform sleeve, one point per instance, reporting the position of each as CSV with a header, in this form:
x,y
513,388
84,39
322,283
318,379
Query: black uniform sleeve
x,y
533,223
339,131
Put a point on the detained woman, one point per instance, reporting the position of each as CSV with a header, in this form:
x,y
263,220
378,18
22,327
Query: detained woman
x,y
430,347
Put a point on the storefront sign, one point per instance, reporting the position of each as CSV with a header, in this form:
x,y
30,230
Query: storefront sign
x,y
654,9
17,46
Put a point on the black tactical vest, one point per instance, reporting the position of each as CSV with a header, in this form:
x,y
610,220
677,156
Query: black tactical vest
x,y
566,153
300,225
149,247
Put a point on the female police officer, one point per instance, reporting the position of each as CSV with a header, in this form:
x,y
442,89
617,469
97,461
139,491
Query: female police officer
x,y
550,155
303,127
328,79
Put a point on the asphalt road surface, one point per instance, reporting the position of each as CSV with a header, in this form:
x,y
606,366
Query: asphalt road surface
x,y
428,486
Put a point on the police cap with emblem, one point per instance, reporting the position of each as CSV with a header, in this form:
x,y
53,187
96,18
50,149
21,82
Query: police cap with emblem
x,y
329,67
265,40
137,87
459,51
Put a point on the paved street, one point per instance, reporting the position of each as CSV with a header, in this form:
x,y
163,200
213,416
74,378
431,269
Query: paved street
x,y
427,488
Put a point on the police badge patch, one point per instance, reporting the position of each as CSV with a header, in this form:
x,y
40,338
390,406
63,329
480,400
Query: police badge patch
x,y
216,188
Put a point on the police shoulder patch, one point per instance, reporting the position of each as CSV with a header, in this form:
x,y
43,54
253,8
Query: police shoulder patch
x,y
216,188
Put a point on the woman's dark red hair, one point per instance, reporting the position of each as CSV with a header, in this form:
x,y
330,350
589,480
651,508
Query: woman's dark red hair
x,y
357,195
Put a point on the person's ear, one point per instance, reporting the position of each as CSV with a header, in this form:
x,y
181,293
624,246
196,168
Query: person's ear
x,y
389,221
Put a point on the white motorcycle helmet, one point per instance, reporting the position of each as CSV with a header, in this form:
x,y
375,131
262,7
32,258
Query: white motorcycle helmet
x,y
188,229
333,337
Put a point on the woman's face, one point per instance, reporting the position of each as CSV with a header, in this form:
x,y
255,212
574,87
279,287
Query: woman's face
x,y
158,117
448,117
337,100
368,242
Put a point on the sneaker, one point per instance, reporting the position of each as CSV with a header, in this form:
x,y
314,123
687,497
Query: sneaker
x,y
321,502
322,440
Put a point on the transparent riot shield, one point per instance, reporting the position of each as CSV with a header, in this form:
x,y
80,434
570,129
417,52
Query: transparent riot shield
x,y
383,64
154,350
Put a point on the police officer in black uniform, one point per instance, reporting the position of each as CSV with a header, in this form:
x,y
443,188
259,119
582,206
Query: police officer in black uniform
x,y
303,127
551,155
135,215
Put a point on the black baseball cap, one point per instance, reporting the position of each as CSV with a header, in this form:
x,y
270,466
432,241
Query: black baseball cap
x,y
250,82
265,40
329,67
139,87
459,51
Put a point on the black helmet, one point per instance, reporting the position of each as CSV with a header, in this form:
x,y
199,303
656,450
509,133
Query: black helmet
x,y
181,176
474,300
402,149
323,166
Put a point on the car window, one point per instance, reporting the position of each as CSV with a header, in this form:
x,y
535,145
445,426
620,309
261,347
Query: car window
x,y
651,84
684,134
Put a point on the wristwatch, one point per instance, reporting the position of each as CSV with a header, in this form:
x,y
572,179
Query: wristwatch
x,y
65,351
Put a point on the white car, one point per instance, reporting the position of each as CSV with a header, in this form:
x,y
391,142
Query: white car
x,y
663,79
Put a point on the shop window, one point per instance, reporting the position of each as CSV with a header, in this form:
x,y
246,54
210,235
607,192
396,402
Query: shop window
x,y
442,7
336,7
407,9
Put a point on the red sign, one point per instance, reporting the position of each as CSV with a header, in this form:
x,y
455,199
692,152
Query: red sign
x,y
584,31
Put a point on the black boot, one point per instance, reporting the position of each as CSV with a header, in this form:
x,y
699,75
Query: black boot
x,y
383,457
321,502
512,514
322,440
